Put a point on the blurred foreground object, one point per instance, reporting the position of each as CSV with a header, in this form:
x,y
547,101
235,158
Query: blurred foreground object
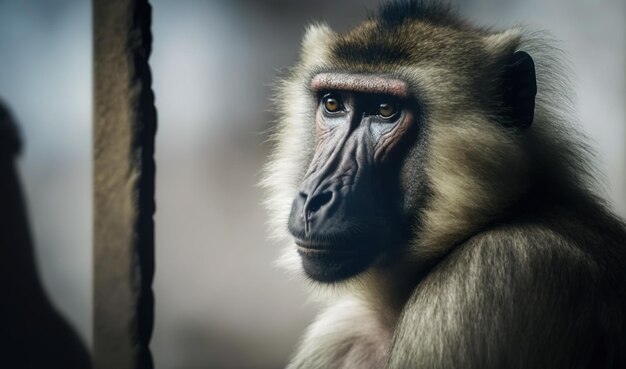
x,y
33,334
124,129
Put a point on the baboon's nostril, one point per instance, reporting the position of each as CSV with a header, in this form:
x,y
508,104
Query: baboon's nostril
x,y
318,201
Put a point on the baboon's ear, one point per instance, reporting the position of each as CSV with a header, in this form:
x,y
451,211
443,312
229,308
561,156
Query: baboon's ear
x,y
316,43
519,90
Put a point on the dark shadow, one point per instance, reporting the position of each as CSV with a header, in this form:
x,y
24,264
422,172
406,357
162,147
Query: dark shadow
x,y
32,333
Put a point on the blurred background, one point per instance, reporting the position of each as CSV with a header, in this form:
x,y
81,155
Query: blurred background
x,y
220,302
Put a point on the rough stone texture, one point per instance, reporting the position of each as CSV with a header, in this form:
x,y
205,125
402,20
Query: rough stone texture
x,y
32,333
124,128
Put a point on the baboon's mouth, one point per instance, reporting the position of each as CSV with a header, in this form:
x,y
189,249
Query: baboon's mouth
x,y
314,246
326,262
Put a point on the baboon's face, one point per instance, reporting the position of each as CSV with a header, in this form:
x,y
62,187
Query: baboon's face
x,y
349,207
417,142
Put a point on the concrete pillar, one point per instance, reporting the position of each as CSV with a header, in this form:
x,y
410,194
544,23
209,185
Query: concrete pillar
x,y
123,149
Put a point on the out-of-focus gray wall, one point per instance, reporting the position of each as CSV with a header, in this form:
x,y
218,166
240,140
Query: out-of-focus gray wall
x,y
220,302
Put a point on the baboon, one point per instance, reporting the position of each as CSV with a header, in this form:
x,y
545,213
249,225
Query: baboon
x,y
427,181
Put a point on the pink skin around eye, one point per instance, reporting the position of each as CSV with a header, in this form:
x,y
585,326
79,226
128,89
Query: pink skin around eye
x,y
366,83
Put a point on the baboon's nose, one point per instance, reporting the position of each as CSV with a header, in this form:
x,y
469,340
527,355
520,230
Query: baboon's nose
x,y
312,206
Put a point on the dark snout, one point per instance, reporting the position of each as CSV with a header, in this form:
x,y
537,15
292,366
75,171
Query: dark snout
x,y
331,222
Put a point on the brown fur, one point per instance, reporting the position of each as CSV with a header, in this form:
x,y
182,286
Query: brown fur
x,y
486,183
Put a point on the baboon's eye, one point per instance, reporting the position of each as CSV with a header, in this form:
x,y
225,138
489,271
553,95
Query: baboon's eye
x,y
386,110
332,103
